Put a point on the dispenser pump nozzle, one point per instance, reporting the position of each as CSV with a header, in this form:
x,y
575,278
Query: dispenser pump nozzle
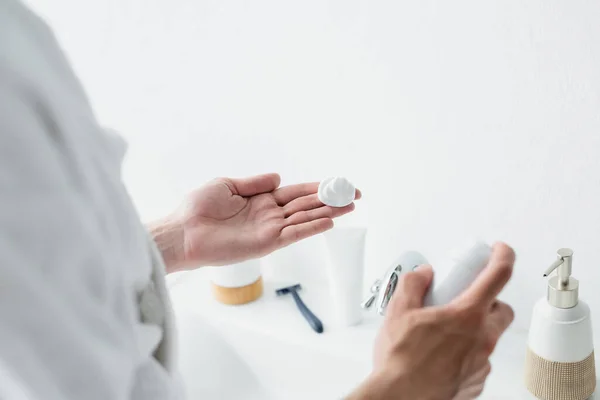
x,y
563,289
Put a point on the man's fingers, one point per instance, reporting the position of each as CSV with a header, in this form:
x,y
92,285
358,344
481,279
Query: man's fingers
x,y
500,318
254,185
303,203
490,282
496,323
411,290
288,193
294,233
318,213
472,387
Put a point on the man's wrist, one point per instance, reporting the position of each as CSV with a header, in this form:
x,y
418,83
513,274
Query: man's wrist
x,y
168,235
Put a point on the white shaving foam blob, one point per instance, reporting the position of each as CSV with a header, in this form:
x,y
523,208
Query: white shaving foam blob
x,y
336,192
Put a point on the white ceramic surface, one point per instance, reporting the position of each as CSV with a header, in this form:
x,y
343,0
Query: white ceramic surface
x,y
563,335
346,249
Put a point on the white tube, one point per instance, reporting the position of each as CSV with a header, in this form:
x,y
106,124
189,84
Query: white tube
x,y
346,248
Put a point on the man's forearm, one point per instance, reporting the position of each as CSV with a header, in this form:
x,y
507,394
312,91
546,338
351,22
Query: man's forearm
x,y
169,237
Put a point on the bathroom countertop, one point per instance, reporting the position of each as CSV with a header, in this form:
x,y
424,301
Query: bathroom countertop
x,y
276,318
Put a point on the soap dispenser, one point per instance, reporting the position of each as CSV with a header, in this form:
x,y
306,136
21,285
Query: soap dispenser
x,y
560,363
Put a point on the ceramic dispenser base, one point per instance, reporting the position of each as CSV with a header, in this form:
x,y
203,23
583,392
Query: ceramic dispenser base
x,y
549,380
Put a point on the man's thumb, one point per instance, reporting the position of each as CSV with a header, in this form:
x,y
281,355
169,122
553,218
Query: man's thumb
x,y
411,290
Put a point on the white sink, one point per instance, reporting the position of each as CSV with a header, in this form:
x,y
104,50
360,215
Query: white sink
x,y
211,367
265,349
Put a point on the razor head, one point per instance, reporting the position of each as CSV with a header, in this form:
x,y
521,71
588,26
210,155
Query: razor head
x,y
286,290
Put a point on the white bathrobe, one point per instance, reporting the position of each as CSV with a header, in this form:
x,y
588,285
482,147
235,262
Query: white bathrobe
x,y
84,313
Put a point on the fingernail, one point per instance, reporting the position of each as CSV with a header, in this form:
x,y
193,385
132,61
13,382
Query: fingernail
x,y
421,267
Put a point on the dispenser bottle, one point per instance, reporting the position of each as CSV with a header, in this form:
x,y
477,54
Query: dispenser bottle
x,y
560,357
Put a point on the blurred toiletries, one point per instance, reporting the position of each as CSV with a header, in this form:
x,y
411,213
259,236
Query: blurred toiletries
x,y
239,283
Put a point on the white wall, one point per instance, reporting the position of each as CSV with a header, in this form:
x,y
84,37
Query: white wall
x,y
456,118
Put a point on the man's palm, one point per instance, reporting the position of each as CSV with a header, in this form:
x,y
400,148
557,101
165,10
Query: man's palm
x,y
231,220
